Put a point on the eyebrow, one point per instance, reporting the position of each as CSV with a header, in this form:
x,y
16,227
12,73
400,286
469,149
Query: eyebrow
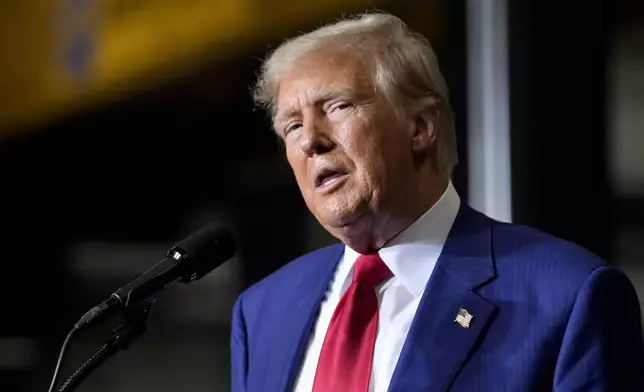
x,y
317,98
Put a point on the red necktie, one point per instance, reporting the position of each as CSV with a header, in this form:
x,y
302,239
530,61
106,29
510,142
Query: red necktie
x,y
347,352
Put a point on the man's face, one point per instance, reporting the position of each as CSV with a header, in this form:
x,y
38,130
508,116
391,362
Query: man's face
x,y
349,151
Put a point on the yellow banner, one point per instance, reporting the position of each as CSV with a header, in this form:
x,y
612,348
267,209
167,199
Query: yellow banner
x,y
58,55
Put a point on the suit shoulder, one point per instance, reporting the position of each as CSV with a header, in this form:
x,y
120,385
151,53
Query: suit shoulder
x,y
537,251
289,275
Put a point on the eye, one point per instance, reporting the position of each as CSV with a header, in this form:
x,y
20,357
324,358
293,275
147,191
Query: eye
x,y
291,127
340,106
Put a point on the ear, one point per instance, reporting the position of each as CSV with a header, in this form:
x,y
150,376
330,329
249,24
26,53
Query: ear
x,y
425,132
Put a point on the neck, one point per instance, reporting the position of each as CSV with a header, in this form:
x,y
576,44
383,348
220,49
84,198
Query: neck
x,y
376,228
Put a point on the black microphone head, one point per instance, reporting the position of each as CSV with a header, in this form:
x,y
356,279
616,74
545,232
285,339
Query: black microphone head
x,y
204,251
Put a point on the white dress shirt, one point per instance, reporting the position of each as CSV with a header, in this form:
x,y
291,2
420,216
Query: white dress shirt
x,y
411,257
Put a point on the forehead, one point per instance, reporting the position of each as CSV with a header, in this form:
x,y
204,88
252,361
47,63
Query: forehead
x,y
320,76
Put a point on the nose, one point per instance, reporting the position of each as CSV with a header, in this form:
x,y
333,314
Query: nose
x,y
315,139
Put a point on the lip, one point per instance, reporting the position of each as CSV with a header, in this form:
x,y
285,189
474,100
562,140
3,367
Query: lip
x,y
332,185
327,178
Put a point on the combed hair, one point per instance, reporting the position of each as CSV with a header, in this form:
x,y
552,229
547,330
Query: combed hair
x,y
404,68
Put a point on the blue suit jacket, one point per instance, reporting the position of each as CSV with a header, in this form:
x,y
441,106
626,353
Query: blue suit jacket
x,y
548,315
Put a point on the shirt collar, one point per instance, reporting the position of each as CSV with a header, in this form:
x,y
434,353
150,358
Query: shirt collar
x,y
412,255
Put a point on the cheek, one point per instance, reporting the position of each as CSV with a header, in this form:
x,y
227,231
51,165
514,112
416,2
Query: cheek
x,y
297,166
382,160
304,183
369,148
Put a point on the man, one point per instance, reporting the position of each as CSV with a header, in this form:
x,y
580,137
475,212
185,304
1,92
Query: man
x,y
424,293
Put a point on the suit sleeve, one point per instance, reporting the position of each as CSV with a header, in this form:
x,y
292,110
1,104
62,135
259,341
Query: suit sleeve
x,y
602,348
239,349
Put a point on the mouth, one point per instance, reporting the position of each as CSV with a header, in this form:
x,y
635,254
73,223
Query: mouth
x,y
327,177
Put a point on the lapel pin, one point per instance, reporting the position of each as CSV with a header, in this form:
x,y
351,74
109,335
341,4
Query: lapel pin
x,y
463,317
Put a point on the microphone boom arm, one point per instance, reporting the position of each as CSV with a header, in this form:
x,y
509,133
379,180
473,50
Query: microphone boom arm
x,y
123,337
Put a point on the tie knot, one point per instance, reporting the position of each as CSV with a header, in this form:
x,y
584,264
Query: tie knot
x,y
370,270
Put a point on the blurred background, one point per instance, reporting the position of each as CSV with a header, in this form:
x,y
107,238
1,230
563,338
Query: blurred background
x,y
127,124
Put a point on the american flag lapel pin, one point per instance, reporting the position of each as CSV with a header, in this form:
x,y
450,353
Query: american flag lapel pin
x,y
463,317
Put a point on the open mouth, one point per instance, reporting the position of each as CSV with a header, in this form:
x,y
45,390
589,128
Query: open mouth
x,y
327,177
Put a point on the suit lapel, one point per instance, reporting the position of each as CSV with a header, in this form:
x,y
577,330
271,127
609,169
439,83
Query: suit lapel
x,y
436,347
300,314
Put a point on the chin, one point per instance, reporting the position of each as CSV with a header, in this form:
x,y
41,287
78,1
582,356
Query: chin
x,y
343,213
345,223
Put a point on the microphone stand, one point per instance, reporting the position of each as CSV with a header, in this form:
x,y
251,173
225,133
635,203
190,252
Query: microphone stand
x,y
123,336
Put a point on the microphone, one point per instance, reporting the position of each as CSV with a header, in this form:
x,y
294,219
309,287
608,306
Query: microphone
x,y
189,260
